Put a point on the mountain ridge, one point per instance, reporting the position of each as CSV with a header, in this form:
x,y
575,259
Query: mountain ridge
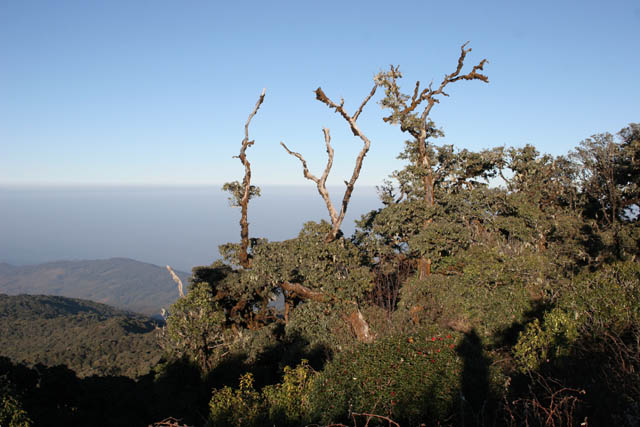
x,y
120,282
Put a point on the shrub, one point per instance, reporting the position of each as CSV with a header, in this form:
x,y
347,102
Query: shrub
x,y
240,407
607,301
289,402
551,339
282,404
11,412
409,378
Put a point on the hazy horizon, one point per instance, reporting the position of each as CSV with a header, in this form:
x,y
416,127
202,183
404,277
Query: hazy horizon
x,y
178,225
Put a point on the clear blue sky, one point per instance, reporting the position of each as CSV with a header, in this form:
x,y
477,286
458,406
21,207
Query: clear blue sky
x,y
157,92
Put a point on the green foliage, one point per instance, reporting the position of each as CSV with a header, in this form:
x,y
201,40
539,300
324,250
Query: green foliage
x,y
285,403
488,295
410,378
11,412
196,327
538,343
605,302
90,338
289,401
236,191
240,407
337,268
320,324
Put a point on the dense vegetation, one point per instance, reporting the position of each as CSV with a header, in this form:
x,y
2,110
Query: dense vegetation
x,y
120,282
498,287
87,337
493,287
527,310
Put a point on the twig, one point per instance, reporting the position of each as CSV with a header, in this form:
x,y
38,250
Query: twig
x,y
369,416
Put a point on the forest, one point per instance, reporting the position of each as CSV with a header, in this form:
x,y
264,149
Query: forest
x,y
493,287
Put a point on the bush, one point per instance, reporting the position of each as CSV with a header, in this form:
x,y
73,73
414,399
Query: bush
x,y
282,404
240,407
492,291
410,378
588,345
605,302
11,412
289,402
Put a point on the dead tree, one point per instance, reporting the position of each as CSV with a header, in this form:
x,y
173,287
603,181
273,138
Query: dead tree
x,y
404,112
176,279
337,217
241,193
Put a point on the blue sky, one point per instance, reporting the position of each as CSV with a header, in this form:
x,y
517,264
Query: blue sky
x,y
157,92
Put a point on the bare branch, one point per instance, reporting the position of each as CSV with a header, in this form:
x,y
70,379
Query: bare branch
x,y
305,169
369,416
352,182
336,219
320,95
176,279
303,292
320,182
246,184
373,91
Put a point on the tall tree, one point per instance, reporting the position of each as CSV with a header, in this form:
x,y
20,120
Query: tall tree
x,y
241,193
405,112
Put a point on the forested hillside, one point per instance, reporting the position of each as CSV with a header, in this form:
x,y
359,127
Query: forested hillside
x,y
120,282
87,337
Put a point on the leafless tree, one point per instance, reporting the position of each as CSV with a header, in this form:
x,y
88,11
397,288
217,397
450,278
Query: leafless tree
x,y
241,193
321,183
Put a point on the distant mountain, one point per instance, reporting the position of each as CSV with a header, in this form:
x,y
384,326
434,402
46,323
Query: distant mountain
x,y
121,282
87,337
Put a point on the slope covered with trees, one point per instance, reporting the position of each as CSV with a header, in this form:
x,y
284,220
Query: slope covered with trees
x,y
120,282
87,337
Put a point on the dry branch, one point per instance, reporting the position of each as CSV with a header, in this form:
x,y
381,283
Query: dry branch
x,y
176,279
370,416
303,292
337,218
320,182
246,184
169,422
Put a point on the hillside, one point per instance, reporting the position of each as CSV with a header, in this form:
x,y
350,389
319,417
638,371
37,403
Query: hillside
x,y
87,337
120,282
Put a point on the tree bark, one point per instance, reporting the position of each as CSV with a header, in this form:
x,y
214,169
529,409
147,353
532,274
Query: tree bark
x,y
246,184
360,326
356,320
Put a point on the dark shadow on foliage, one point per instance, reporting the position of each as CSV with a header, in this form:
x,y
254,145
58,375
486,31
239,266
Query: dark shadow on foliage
x,y
597,383
267,368
55,396
508,337
477,403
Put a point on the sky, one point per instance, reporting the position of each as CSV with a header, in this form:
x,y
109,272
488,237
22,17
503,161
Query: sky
x,y
157,92
180,226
